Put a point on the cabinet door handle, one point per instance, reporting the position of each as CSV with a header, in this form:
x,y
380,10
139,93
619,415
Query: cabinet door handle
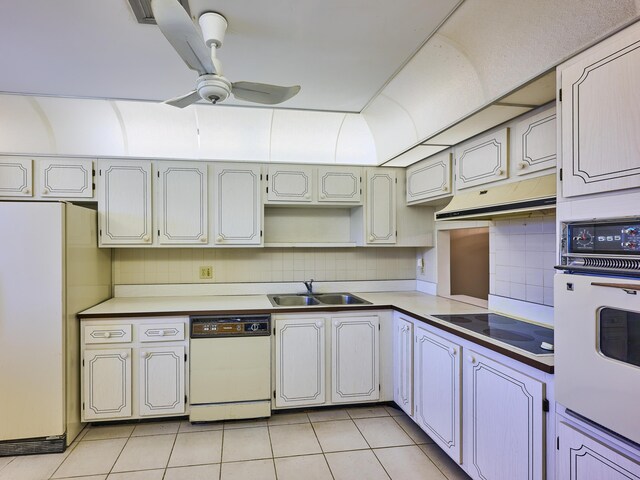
x,y
319,324
146,354
323,196
125,355
472,360
45,191
522,165
336,323
219,238
203,239
25,190
499,173
307,195
630,288
444,188
452,351
145,238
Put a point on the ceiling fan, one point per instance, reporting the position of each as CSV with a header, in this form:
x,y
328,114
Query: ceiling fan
x,y
199,53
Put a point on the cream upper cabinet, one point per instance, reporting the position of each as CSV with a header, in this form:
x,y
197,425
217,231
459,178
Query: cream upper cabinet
x,y
65,178
437,386
124,203
290,184
535,143
503,427
403,363
430,178
182,203
340,185
600,116
16,177
237,204
380,208
482,160
300,361
355,374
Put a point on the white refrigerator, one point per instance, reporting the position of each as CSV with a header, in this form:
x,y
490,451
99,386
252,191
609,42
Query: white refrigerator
x,y
50,269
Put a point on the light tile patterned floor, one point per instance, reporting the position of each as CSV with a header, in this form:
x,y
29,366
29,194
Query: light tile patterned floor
x,y
361,443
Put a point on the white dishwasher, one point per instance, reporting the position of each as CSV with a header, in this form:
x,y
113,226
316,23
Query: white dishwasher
x,y
230,367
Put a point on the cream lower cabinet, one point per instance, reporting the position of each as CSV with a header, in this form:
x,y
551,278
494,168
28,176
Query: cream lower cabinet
x,y
106,384
315,351
355,373
503,421
300,361
134,368
403,363
583,457
437,387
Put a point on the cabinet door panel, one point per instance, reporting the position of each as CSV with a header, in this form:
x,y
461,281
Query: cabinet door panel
x,y
107,384
535,143
124,204
581,457
16,177
430,178
381,206
300,362
504,421
162,380
340,185
403,364
600,117
437,390
290,184
238,212
66,178
355,374
182,194
482,160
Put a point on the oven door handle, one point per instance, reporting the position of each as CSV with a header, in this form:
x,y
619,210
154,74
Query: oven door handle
x,y
629,288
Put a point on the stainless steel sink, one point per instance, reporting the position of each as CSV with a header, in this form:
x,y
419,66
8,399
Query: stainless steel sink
x,y
340,299
293,300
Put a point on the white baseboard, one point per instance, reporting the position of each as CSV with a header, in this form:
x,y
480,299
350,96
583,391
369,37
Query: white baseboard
x,y
179,290
518,308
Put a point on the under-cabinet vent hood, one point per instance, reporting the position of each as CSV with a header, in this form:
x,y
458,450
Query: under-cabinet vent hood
x,y
518,197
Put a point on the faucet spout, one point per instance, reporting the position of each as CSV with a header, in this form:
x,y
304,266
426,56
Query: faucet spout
x,y
309,286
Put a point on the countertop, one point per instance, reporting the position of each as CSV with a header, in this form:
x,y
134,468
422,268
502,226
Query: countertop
x,y
418,305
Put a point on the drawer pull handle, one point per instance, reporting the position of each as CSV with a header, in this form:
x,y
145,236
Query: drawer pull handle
x,y
107,334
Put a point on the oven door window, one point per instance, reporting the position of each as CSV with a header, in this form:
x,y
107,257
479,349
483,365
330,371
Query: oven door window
x,y
619,332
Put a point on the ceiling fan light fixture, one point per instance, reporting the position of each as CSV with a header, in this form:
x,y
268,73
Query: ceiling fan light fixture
x,y
213,88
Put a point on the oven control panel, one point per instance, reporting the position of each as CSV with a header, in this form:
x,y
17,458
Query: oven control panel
x,y
230,326
619,238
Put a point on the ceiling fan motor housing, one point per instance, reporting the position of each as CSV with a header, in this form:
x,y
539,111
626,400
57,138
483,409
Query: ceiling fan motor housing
x,y
213,26
213,88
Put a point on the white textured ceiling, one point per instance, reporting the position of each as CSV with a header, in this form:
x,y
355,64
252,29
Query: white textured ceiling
x,y
342,52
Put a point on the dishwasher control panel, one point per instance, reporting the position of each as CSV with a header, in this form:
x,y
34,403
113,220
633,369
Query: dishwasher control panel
x,y
230,326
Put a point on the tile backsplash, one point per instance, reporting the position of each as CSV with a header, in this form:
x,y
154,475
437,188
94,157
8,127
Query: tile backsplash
x,y
133,266
521,258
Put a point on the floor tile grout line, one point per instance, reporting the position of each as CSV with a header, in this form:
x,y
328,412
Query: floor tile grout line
x,y
405,431
122,450
275,472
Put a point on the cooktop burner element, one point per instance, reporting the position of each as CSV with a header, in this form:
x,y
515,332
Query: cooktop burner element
x,y
527,336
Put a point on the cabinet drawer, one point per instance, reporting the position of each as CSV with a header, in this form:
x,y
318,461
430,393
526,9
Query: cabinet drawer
x,y
162,332
107,334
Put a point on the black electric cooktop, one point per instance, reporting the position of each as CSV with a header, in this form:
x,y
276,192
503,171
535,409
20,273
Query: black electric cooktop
x,y
517,333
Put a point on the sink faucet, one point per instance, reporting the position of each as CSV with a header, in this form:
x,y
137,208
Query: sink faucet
x,y
309,286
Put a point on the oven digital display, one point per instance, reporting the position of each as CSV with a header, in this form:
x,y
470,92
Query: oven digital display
x,y
596,238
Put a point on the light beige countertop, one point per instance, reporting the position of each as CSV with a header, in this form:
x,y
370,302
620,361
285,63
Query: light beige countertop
x,y
419,305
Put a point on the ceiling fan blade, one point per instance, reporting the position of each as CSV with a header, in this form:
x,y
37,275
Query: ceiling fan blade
x,y
184,100
263,93
182,34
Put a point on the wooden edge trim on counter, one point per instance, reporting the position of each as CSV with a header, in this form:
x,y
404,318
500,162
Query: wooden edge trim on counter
x,y
341,308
